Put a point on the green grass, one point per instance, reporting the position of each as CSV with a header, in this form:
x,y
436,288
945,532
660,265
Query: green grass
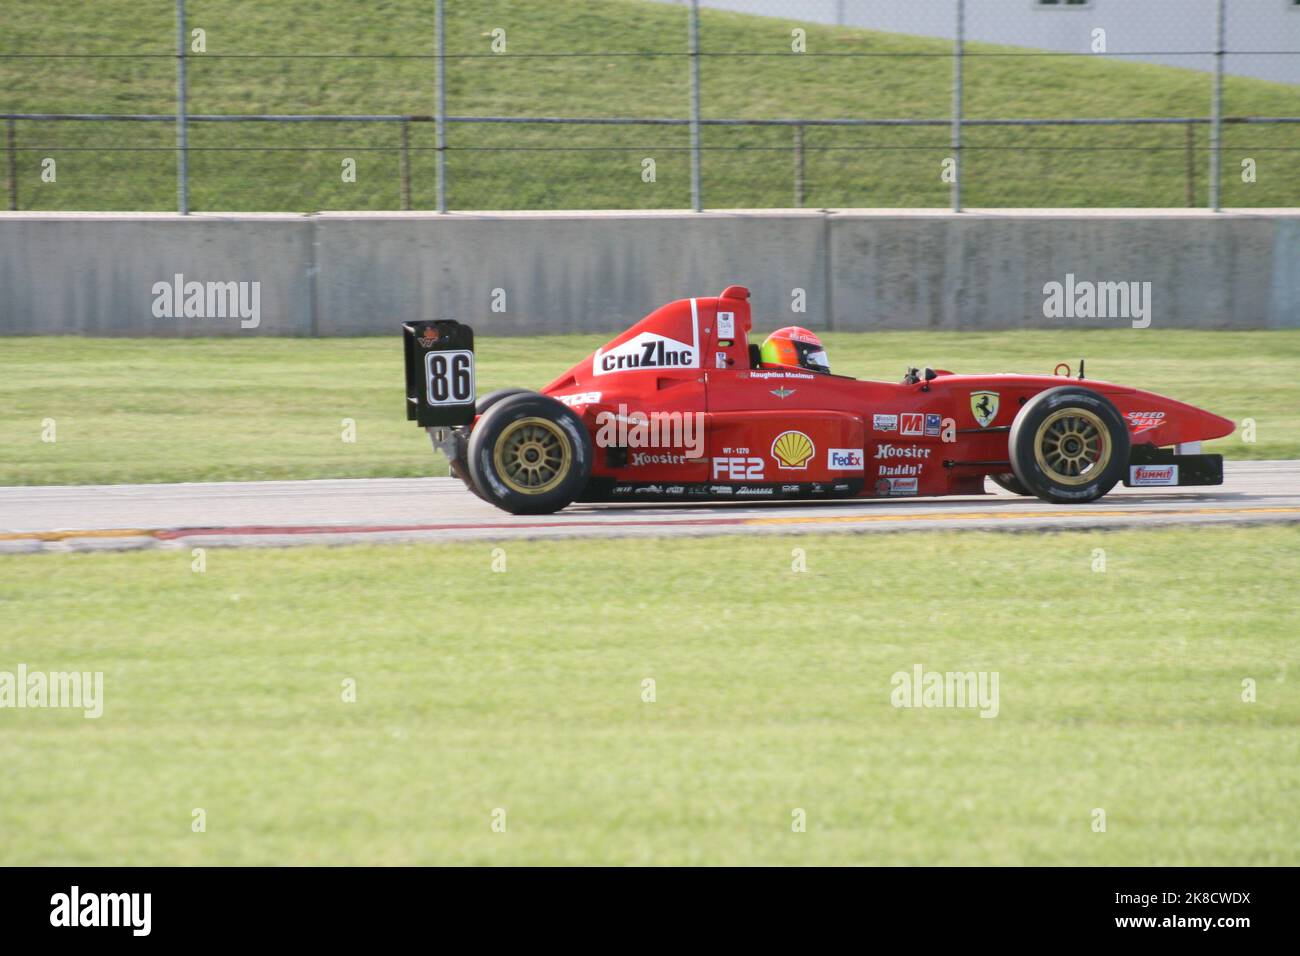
x,y
206,410
297,167
522,690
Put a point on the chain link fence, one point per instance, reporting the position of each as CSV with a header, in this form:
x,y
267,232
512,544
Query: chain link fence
x,y
221,105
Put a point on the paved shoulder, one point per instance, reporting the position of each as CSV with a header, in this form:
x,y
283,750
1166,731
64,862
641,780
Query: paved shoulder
x,y
389,509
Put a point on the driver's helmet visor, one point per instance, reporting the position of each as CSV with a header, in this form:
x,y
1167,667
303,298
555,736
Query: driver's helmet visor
x,y
812,357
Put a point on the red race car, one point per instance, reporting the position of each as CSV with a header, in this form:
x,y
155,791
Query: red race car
x,y
681,407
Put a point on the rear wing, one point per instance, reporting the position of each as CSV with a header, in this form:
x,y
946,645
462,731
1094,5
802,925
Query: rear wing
x,y
440,389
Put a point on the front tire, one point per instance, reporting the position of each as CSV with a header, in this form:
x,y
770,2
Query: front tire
x,y
1069,445
530,455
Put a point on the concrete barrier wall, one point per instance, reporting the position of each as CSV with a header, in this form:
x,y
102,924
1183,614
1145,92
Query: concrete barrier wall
x,y
556,273
974,271
522,273
83,274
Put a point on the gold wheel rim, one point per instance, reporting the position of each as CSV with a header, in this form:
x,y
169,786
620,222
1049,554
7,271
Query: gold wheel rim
x,y
532,456
1072,446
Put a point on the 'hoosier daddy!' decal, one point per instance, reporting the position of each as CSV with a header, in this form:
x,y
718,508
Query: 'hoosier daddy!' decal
x,y
646,350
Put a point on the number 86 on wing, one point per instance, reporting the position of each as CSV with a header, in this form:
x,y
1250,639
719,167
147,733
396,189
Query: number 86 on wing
x,y
450,377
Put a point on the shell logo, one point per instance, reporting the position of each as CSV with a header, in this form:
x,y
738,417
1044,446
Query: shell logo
x,y
793,449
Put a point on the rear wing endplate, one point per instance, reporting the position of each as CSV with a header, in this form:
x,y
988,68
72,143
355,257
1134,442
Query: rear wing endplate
x,y
440,390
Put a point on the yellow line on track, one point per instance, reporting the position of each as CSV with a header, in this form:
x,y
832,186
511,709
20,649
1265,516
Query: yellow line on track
x,y
64,535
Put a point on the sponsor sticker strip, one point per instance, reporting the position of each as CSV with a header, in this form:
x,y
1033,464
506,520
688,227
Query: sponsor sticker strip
x,y
1144,421
1147,475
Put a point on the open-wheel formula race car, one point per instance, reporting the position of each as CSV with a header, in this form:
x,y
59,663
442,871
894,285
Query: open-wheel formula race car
x,y
680,407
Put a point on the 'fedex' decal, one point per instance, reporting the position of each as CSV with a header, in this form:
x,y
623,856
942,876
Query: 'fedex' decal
x,y
844,459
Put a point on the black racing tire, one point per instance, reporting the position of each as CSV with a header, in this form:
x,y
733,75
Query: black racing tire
x,y
491,398
460,467
1009,482
1069,445
530,455
460,464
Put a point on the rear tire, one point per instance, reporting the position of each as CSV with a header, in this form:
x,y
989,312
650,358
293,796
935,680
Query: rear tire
x,y
460,466
1009,482
1069,445
530,455
491,398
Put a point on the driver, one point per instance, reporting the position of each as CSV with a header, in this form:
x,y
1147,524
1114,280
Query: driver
x,y
794,347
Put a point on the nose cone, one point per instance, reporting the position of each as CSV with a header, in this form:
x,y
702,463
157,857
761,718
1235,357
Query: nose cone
x,y
1217,425
1188,423
1196,424
1157,420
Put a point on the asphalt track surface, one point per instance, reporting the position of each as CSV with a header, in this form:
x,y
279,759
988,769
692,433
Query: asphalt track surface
x,y
350,511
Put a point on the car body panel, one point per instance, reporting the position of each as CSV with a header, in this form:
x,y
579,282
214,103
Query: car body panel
x,y
937,437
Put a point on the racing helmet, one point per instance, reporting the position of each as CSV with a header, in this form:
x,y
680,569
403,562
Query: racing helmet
x,y
795,347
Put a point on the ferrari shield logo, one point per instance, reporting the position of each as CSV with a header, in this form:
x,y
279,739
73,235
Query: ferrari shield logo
x,y
984,406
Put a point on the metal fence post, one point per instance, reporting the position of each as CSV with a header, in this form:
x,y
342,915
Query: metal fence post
x,y
1216,108
957,92
182,139
1191,163
11,167
404,164
440,119
696,198
798,167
